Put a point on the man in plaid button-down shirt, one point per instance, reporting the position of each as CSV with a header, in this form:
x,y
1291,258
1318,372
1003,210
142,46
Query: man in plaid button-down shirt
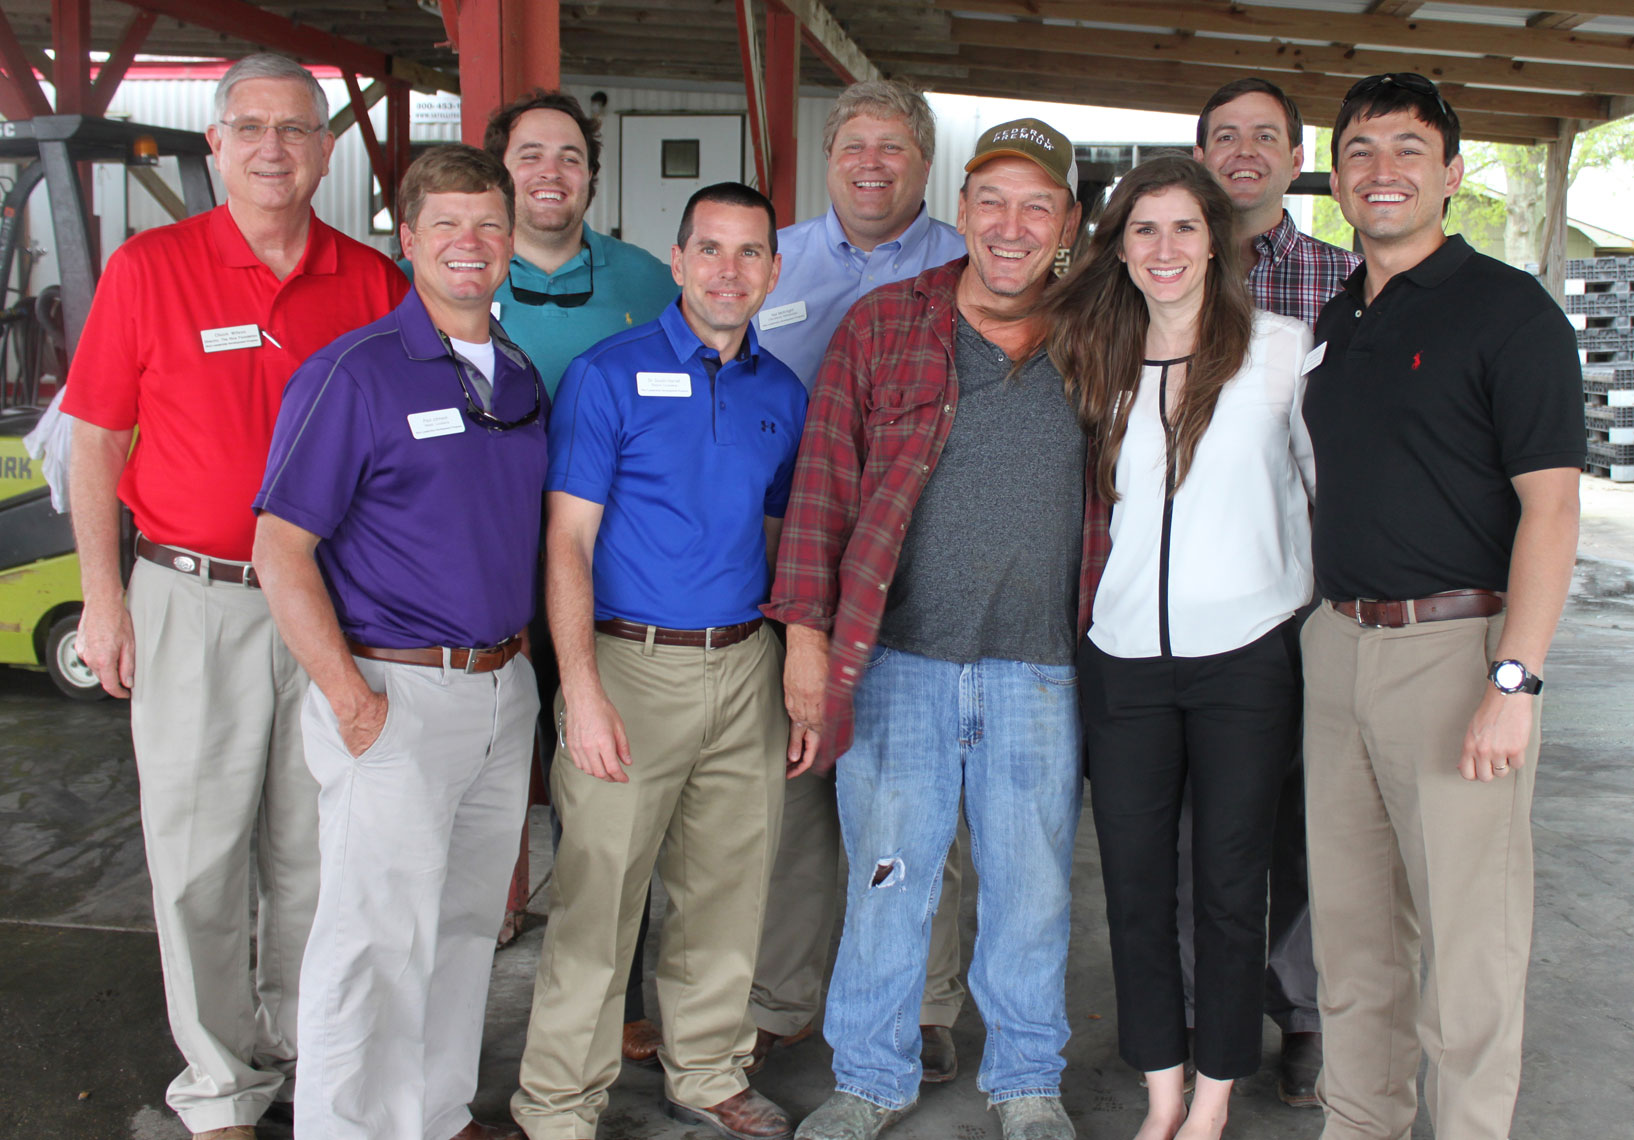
x,y
939,545
1249,136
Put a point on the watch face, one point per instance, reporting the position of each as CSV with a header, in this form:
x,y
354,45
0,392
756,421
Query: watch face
x,y
1509,675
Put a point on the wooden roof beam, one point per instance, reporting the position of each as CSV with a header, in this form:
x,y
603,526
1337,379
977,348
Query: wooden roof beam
x,y
1232,18
1250,57
1207,78
249,22
823,34
1588,9
1184,101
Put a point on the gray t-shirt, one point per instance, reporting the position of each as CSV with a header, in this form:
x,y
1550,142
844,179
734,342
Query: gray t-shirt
x,y
990,563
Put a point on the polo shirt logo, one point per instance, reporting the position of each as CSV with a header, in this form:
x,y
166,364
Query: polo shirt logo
x,y
769,425
1416,356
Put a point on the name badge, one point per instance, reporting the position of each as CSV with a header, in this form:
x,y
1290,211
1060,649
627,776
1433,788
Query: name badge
x,y
663,383
1313,358
230,337
443,421
775,318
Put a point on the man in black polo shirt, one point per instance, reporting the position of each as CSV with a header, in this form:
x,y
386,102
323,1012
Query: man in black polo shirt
x,y
1445,408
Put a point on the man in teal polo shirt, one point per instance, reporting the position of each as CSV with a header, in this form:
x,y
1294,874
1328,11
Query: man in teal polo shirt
x,y
569,286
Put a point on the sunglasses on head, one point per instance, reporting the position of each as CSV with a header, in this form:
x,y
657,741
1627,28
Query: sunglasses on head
x,y
1406,81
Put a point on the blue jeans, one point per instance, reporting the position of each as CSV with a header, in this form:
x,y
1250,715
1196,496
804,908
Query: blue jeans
x,y
1004,734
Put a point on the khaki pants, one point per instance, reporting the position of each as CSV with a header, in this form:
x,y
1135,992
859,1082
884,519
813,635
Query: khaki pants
x,y
806,878
1407,856
704,801
216,721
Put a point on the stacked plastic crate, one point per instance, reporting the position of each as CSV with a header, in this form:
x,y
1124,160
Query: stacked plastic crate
x,y
1600,302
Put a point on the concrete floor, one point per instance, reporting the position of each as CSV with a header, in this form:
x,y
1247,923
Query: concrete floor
x,y
85,1051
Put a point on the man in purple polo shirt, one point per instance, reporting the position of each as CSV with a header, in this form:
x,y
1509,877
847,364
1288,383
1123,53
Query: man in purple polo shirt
x,y
399,526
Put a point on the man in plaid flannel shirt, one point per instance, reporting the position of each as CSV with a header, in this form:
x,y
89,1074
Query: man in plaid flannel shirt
x,y
1249,136
939,544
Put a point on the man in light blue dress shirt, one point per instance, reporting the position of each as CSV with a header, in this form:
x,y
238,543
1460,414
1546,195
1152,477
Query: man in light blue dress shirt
x,y
879,141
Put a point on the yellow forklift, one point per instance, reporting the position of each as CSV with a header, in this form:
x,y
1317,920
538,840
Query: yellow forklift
x,y
39,571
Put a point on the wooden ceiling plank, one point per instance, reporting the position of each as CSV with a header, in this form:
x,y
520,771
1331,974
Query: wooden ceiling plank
x,y
1586,8
1300,85
1251,56
1153,97
1326,27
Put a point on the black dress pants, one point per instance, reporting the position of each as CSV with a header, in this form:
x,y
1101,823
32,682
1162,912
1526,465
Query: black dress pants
x,y
1227,723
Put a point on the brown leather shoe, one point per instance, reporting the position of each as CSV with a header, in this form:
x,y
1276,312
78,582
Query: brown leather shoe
x,y
747,1116
641,1041
476,1131
937,1060
766,1041
1298,1068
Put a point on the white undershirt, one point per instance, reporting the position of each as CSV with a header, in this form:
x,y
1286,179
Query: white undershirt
x,y
1240,535
481,355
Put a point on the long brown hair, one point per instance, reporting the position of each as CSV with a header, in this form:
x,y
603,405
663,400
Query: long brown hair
x,y
1098,322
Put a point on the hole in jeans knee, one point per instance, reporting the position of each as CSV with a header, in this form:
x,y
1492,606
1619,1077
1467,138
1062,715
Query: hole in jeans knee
x,y
887,872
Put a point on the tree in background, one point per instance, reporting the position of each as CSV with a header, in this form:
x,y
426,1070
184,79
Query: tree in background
x,y
1512,220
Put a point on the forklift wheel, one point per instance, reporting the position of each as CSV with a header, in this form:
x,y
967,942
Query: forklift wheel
x,y
62,661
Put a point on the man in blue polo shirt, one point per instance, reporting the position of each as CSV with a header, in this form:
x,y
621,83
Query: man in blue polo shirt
x,y
671,461
569,287
879,140
398,533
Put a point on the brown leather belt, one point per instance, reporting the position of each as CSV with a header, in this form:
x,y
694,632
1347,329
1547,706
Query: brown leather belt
x,y
1437,607
484,660
198,565
715,637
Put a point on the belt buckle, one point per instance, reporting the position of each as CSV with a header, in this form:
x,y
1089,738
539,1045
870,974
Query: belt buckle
x,y
709,638
470,661
1364,624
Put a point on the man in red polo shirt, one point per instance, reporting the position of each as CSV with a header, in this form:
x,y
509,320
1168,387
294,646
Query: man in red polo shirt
x,y
194,330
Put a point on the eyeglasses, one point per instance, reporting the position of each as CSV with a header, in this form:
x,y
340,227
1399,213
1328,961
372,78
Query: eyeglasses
x,y
1406,80
250,132
480,415
565,300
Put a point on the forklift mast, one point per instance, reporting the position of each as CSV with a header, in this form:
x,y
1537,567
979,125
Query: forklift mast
x,y
51,146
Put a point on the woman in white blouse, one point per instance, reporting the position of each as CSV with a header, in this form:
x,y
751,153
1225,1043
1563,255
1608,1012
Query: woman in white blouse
x,y
1190,670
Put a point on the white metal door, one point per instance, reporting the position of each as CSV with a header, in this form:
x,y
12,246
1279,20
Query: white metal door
x,y
663,160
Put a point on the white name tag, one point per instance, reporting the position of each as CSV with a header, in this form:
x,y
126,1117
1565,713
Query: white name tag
x,y
663,383
233,336
443,421
791,314
1314,357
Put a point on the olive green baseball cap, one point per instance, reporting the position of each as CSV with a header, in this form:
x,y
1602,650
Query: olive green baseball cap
x,y
1034,140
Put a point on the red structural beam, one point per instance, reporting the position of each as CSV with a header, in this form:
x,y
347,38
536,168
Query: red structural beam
x,y
257,25
782,105
371,144
506,47
20,95
112,73
756,94
397,138
71,37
